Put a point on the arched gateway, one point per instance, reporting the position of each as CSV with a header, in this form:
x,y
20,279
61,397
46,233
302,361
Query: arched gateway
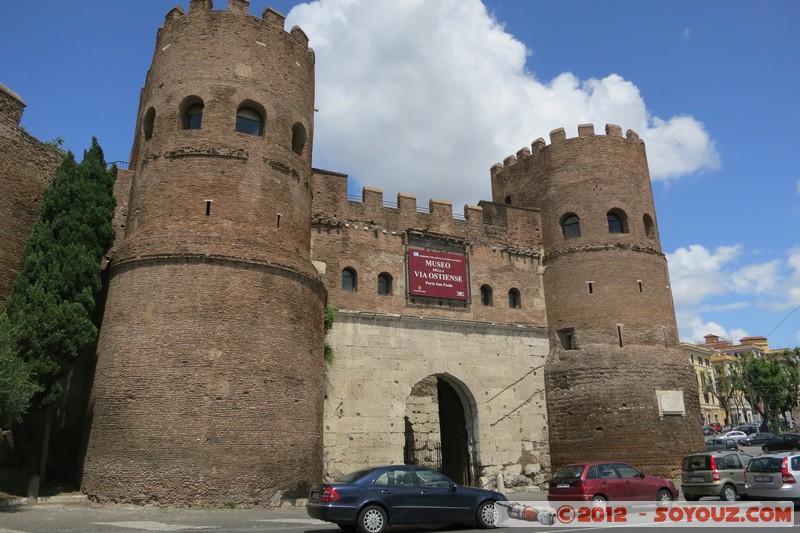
x,y
441,428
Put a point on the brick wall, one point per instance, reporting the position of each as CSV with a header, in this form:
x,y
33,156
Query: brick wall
x,y
26,169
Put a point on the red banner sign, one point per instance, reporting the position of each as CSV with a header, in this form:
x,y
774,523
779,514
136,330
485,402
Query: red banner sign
x,y
437,274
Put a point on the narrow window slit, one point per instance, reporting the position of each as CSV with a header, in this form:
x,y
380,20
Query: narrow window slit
x,y
278,221
590,284
619,334
640,285
208,207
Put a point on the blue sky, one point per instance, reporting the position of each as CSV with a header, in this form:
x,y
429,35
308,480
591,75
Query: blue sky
x,y
423,96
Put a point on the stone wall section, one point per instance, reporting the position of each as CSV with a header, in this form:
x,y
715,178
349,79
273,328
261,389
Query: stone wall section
x,y
378,360
26,168
386,345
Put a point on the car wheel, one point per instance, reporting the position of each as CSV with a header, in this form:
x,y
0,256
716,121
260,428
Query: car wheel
x,y
728,493
664,498
599,501
486,515
372,519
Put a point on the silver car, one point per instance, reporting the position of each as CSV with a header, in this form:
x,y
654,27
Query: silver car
x,y
774,477
717,473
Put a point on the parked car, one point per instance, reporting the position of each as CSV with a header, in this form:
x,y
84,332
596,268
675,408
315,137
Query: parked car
x,y
719,474
708,430
735,435
756,439
782,443
726,428
716,426
748,428
373,498
774,477
721,444
600,482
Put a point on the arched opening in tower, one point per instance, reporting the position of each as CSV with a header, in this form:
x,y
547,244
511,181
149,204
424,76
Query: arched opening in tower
x,y
438,430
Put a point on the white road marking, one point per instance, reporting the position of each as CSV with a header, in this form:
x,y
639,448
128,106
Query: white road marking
x,y
153,526
306,521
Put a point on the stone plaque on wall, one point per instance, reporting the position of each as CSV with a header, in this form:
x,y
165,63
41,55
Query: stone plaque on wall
x,y
670,402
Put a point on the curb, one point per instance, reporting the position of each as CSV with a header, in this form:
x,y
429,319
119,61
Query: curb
x,y
57,498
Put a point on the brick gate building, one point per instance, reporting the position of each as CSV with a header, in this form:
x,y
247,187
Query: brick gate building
x,y
535,330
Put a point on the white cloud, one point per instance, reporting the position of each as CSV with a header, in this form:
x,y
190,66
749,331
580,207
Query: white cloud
x,y
694,329
423,96
697,273
713,283
758,278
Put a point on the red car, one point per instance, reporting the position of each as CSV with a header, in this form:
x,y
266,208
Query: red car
x,y
600,482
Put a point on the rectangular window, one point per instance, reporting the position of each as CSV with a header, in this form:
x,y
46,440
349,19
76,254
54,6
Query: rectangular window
x,y
208,207
590,284
566,337
640,285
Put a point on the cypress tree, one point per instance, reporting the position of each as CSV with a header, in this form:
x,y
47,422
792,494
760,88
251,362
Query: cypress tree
x,y
53,298
16,385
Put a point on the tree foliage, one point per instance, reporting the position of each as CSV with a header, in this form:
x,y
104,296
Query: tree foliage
x,y
770,385
50,308
16,384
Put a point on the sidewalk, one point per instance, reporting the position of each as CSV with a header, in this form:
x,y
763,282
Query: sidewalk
x,y
79,498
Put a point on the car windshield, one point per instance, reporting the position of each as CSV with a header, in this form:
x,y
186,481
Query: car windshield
x,y
566,472
352,476
694,463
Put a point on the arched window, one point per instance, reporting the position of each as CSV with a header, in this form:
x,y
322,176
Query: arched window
x,y
571,226
384,284
514,301
617,221
649,227
486,295
147,123
192,113
349,280
249,121
299,138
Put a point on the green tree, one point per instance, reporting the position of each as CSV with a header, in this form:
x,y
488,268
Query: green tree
x,y
16,386
53,298
770,385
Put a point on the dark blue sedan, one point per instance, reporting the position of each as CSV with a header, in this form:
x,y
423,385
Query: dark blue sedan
x,y
372,499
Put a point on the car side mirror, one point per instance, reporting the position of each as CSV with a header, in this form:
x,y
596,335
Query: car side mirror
x,y
642,475
453,486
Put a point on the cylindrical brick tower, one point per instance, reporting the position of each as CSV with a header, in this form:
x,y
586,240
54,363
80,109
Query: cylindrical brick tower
x,y
209,378
618,386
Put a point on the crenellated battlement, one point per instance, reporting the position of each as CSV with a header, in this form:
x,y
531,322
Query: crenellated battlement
x,y
558,137
332,206
271,17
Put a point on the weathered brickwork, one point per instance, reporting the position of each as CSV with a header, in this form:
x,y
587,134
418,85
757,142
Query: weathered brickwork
x,y
26,168
207,392
211,386
209,364
613,335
